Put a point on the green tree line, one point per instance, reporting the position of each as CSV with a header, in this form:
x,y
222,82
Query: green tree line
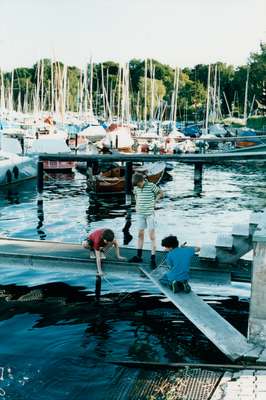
x,y
42,82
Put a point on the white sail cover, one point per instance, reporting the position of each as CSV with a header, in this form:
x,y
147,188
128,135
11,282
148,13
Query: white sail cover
x,y
48,145
10,145
94,131
122,135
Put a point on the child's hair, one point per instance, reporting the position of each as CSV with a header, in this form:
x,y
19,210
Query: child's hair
x,y
170,242
108,235
137,178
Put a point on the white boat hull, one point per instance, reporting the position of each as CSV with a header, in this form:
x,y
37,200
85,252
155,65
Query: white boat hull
x,y
14,168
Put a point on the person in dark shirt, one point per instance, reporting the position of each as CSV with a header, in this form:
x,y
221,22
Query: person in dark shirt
x,y
178,259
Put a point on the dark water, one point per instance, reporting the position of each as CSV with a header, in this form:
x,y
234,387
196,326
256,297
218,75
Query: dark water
x,y
57,346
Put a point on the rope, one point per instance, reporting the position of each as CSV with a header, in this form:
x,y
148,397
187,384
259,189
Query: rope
x,y
115,289
55,179
163,262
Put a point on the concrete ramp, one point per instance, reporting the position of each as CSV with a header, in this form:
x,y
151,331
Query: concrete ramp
x,y
223,335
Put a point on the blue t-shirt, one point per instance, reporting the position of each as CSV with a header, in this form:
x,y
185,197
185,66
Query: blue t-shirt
x,y
179,260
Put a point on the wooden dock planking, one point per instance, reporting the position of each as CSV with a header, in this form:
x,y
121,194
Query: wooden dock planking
x,y
223,335
39,253
35,254
134,157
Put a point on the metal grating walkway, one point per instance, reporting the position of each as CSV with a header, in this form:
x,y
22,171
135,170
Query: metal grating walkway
x,y
186,384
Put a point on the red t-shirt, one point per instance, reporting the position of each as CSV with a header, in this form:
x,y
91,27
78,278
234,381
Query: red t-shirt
x,y
96,237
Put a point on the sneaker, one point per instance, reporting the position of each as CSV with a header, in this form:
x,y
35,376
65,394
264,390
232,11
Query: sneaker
x,y
103,256
135,259
153,264
186,287
92,254
176,287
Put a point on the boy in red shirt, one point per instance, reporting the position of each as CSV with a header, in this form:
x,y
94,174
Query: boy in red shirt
x,y
98,242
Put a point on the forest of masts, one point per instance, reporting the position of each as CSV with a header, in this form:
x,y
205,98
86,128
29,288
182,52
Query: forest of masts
x,y
110,99
138,90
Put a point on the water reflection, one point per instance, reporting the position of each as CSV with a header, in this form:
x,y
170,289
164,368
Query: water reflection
x,y
40,216
196,215
139,328
19,193
67,338
105,208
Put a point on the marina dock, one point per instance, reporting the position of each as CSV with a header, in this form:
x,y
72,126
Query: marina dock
x,y
37,254
196,159
209,322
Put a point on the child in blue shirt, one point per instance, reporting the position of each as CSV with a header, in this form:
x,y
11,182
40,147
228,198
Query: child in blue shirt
x,y
178,259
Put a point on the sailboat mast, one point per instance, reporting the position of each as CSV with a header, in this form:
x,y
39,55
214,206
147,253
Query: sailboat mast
x,y
2,98
214,95
227,105
246,97
145,97
176,94
91,87
208,99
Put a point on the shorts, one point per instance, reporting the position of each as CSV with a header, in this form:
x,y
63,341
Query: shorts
x,y
144,221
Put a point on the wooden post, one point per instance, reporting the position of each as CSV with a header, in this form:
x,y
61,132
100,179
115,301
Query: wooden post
x,y
116,141
158,128
257,309
98,285
95,168
128,189
128,181
198,172
40,176
76,142
40,214
22,142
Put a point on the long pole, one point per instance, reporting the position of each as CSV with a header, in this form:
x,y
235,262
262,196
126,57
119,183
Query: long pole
x,y
208,99
246,97
227,105
91,87
145,97
176,95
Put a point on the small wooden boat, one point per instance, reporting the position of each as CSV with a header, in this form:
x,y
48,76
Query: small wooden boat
x,y
113,180
253,140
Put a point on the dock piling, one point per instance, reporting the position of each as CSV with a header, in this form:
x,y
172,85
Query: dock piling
x,y
198,173
98,286
95,167
76,142
257,310
128,179
128,189
40,176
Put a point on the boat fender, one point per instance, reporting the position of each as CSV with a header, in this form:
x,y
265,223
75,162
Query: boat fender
x,y
16,172
8,176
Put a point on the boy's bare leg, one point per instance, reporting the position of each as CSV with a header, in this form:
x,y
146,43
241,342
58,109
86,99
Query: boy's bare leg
x,y
153,241
141,239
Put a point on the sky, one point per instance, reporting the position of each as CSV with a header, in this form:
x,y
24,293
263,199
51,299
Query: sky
x,y
175,32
